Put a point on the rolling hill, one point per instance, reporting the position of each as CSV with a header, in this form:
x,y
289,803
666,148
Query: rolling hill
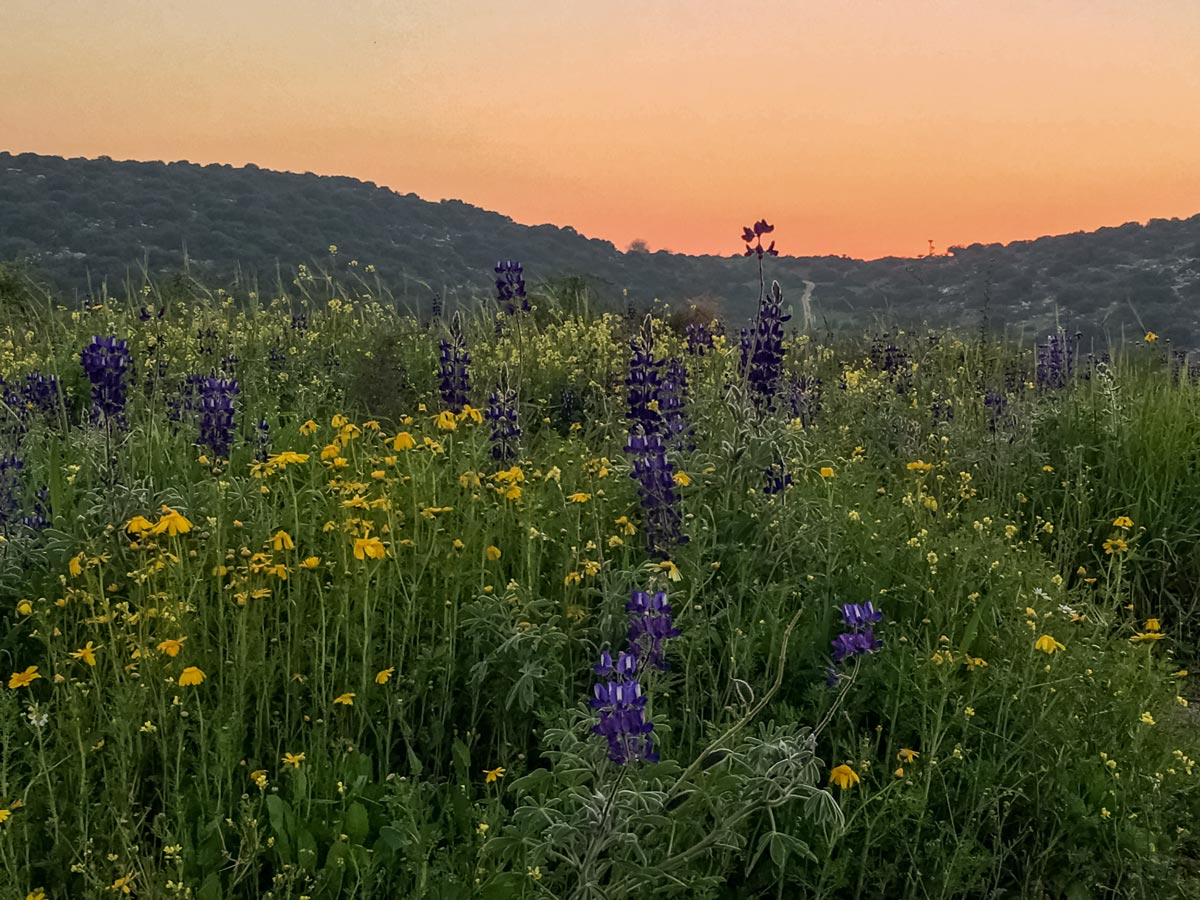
x,y
80,222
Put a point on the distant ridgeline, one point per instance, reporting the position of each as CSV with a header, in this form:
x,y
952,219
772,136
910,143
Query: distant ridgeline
x,y
78,222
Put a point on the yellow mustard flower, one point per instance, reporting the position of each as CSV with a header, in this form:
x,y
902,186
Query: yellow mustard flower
x,y
171,646
346,699
493,553
403,441
282,541
491,775
292,759
382,676
919,466
310,562
1122,522
579,497
827,472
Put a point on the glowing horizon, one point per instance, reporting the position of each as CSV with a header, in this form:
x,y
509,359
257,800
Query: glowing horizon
x,y
864,130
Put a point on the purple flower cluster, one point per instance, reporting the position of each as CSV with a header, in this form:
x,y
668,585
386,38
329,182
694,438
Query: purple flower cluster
x,y
644,382
502,414
454,371
766,354
216,414
776,478
996,404
510,287
1055,361
804,398
649,625
700,338
753,238
262,441
619,699
859,638
10,486
106,363
672,407
656,490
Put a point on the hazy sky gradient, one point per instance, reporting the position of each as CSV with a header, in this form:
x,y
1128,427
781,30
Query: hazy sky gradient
x,y
861,128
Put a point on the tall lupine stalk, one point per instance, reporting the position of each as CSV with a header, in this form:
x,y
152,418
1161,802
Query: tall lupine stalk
x,y
766,358
501,414
700,338
619,700
454,371
510,287
10,486
762,346
672,406
656,491
650,624
644,382
858,637
1055,361
619,697
106,363
216,415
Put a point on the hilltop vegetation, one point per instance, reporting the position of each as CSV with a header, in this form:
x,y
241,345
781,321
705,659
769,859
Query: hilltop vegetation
x,y
315,599
81,222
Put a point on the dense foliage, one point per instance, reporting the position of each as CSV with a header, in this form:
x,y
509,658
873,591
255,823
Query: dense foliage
x,y
84,222
303,597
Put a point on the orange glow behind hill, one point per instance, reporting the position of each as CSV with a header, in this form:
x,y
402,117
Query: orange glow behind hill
x,y
862,130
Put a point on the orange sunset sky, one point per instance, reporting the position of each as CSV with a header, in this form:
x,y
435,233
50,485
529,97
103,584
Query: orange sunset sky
x,y
861,128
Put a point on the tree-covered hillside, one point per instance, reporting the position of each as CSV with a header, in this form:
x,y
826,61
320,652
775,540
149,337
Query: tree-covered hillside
x,y
78,222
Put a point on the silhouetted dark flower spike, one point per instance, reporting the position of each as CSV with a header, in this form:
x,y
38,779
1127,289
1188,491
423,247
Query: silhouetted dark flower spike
x,y
755,234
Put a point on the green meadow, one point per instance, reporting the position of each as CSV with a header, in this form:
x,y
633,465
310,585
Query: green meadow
x,y
306,596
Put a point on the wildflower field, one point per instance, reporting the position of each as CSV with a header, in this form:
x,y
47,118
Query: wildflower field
x,y
302,596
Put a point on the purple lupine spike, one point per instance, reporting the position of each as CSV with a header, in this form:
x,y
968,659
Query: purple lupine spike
x,y
510,287
454,371
106,363
776,478
672,404
656,490
700,338
506,434
649,625
804,398
766,350
1056,361
622,717
644,382
755,234
216,414
859,638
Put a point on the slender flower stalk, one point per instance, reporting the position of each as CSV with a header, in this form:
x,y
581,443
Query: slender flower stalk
x,y
454,372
